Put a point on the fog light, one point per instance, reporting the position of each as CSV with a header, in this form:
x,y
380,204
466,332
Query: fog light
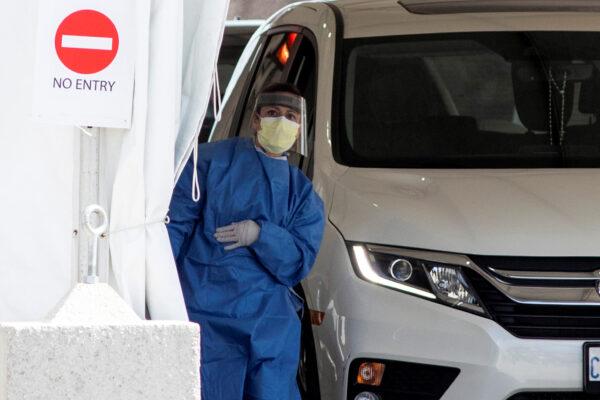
x,y
370,373
367,396
401,270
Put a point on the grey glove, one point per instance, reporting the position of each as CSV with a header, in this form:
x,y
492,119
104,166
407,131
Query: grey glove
x,y
242,233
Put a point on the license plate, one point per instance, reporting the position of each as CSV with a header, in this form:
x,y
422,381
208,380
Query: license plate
x,y
591,367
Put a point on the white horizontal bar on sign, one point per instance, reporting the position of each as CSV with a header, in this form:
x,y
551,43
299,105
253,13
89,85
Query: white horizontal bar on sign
x,y
87,42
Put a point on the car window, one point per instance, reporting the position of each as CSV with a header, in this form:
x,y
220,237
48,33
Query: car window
x,y
469,100
289,57
303,75
271,69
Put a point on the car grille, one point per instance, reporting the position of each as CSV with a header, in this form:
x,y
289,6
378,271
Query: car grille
x,y
554,396
539,264
537,321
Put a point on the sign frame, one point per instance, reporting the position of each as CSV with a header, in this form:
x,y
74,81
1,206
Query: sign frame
x,y
98,97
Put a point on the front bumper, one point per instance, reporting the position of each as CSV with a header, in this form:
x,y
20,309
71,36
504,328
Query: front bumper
x,y
367,321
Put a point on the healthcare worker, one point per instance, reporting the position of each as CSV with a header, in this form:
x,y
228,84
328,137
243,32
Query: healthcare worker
x,y
251,237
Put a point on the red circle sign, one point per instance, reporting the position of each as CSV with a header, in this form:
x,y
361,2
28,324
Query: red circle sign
x,y
86,41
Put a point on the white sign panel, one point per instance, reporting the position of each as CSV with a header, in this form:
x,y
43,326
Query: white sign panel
x,y
85,63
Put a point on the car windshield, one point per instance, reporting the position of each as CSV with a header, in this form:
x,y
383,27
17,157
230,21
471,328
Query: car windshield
x,y
471,100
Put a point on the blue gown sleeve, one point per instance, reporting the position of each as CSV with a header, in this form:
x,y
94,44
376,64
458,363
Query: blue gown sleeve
x,y
289,254
184,212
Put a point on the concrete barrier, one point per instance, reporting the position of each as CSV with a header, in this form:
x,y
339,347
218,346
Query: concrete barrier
x,y
93,347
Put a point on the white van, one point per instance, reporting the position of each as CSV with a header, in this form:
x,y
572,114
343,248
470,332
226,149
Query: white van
x,y
456,144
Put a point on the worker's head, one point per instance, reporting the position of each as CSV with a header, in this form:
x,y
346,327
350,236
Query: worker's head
x,y
279,118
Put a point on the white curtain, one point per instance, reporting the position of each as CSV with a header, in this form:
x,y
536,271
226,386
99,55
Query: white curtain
x,y
177,43
128,209
143,268
163,291
37,182
203,33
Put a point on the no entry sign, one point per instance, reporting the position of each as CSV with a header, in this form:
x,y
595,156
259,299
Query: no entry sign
x,y
85,62
87,41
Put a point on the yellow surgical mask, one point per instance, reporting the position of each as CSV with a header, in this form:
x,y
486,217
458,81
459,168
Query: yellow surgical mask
x,y
277,135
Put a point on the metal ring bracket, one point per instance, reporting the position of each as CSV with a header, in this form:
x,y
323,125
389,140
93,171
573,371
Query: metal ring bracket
x,y
97,231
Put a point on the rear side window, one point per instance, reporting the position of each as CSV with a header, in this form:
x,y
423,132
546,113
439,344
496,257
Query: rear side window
x,y
231,50
470,100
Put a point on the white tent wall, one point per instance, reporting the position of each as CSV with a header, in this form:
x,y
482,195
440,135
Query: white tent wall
x,y
133,177
38,185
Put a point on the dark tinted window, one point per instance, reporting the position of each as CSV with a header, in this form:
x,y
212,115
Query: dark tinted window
x,y
471,100
289,57
270,69
231,49
302,74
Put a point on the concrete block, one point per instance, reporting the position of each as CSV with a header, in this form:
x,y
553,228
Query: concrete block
x,y
93,347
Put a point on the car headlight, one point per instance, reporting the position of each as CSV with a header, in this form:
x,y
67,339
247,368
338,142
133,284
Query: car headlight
x,y
441,282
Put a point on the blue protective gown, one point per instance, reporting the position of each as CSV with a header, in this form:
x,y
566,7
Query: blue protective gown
x,y
250,331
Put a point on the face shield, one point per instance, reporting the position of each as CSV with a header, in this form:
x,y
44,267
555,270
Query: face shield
x,y
293,102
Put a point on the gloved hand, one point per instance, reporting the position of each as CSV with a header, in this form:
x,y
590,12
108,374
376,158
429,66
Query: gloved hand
x,y
242,233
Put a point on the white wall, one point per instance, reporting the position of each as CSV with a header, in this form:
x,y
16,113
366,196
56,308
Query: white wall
x,y
36,182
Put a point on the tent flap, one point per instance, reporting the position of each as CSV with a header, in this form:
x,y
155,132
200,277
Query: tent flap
x,y
169,98
205,26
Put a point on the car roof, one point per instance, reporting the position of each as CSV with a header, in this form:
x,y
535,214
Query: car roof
x,y
366,18
474,6
243,25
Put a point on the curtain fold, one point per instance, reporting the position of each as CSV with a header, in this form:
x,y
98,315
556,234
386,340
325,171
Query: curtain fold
x,y
163,291
127,211
203,32
169,106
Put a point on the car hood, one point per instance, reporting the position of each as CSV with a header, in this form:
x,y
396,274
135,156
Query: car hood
x,y
527,213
